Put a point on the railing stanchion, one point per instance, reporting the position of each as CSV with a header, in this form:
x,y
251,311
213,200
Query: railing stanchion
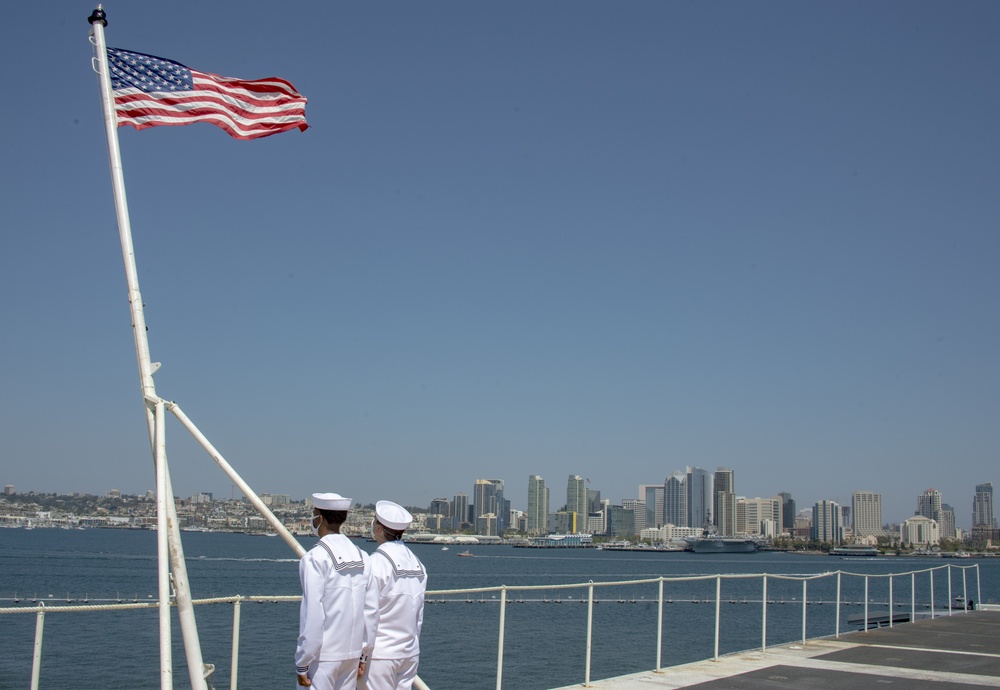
x,y
659,628
805,600
36,660
590,630
979,591
763,617
235,660
950,607
718,599
932,593
890,601
503,620
913,597
837,616
965,593
866,603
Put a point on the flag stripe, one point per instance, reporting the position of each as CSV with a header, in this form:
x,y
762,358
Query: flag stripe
x,y
151,91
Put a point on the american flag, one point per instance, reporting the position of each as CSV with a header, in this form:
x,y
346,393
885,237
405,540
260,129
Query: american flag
x,y
151,91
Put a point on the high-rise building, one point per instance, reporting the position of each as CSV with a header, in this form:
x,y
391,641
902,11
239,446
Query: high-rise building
x,y
699,497
487,498
982,506
459,511
538,505
757,515
440,506
826,525
8,490
947,521
621,522
593,500
652,497
867,511
484,499
675,505
929,505
638,509
576,496
787,512
724,501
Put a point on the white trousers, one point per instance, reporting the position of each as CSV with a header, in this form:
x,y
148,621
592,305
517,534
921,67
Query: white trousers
x,y
333,675
391,674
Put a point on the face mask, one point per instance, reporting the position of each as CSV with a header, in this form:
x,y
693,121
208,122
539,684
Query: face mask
x,y
313,527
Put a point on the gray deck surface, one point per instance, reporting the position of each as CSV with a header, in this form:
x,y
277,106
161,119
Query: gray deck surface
x,y
948,653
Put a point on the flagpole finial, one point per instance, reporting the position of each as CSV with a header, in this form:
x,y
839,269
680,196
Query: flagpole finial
x,y
98,16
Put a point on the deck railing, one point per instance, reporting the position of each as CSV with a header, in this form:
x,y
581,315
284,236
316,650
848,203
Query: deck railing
x,y
40,608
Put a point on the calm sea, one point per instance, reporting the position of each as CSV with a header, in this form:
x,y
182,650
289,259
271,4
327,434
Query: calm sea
x,y
545,630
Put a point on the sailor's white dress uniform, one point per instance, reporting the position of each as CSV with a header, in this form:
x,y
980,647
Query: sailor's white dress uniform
x,y
335,633
400,580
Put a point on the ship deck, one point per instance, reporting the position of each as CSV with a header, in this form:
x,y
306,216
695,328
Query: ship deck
x,y
947,653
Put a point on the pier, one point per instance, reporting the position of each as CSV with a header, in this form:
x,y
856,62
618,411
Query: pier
x,y
950,652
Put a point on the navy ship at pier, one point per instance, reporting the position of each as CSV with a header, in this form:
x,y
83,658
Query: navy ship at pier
x,y
715,543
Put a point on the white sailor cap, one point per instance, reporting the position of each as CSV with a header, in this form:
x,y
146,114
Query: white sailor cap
x,y
331,502
393,515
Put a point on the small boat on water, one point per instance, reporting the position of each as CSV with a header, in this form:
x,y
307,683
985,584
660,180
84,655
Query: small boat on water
x,y
467,554
855,550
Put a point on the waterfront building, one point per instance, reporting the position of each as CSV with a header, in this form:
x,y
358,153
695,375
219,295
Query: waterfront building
x,y
597,523
757,515
564,522
699,497
459,511
538,505
576,495
653,498
437,523
8,490
669,533
638,509
787,512
621,522
982,506
929,505
487,525
724,501
867,511
920,531
826,525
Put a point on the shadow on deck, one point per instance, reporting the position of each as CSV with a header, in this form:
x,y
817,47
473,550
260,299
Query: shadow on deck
x,y
951,652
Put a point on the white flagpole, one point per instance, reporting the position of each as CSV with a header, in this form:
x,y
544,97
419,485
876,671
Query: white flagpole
x,y
182,594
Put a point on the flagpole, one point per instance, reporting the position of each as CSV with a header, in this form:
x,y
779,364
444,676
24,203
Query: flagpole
x,y
171,535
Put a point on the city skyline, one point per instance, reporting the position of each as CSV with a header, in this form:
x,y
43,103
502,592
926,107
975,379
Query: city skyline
x,y
927,503
520,238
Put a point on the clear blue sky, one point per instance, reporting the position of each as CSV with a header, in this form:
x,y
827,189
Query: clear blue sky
x,y
606,239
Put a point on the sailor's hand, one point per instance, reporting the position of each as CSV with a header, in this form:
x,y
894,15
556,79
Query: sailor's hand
x,y
361,669
303,680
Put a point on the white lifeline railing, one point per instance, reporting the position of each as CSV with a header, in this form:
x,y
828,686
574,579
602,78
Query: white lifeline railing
x,y
40,609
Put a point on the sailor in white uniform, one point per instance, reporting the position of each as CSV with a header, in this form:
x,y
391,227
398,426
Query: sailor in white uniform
x,y
336,632
400,579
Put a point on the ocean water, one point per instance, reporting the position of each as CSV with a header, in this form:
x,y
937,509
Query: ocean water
x,y
545,628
